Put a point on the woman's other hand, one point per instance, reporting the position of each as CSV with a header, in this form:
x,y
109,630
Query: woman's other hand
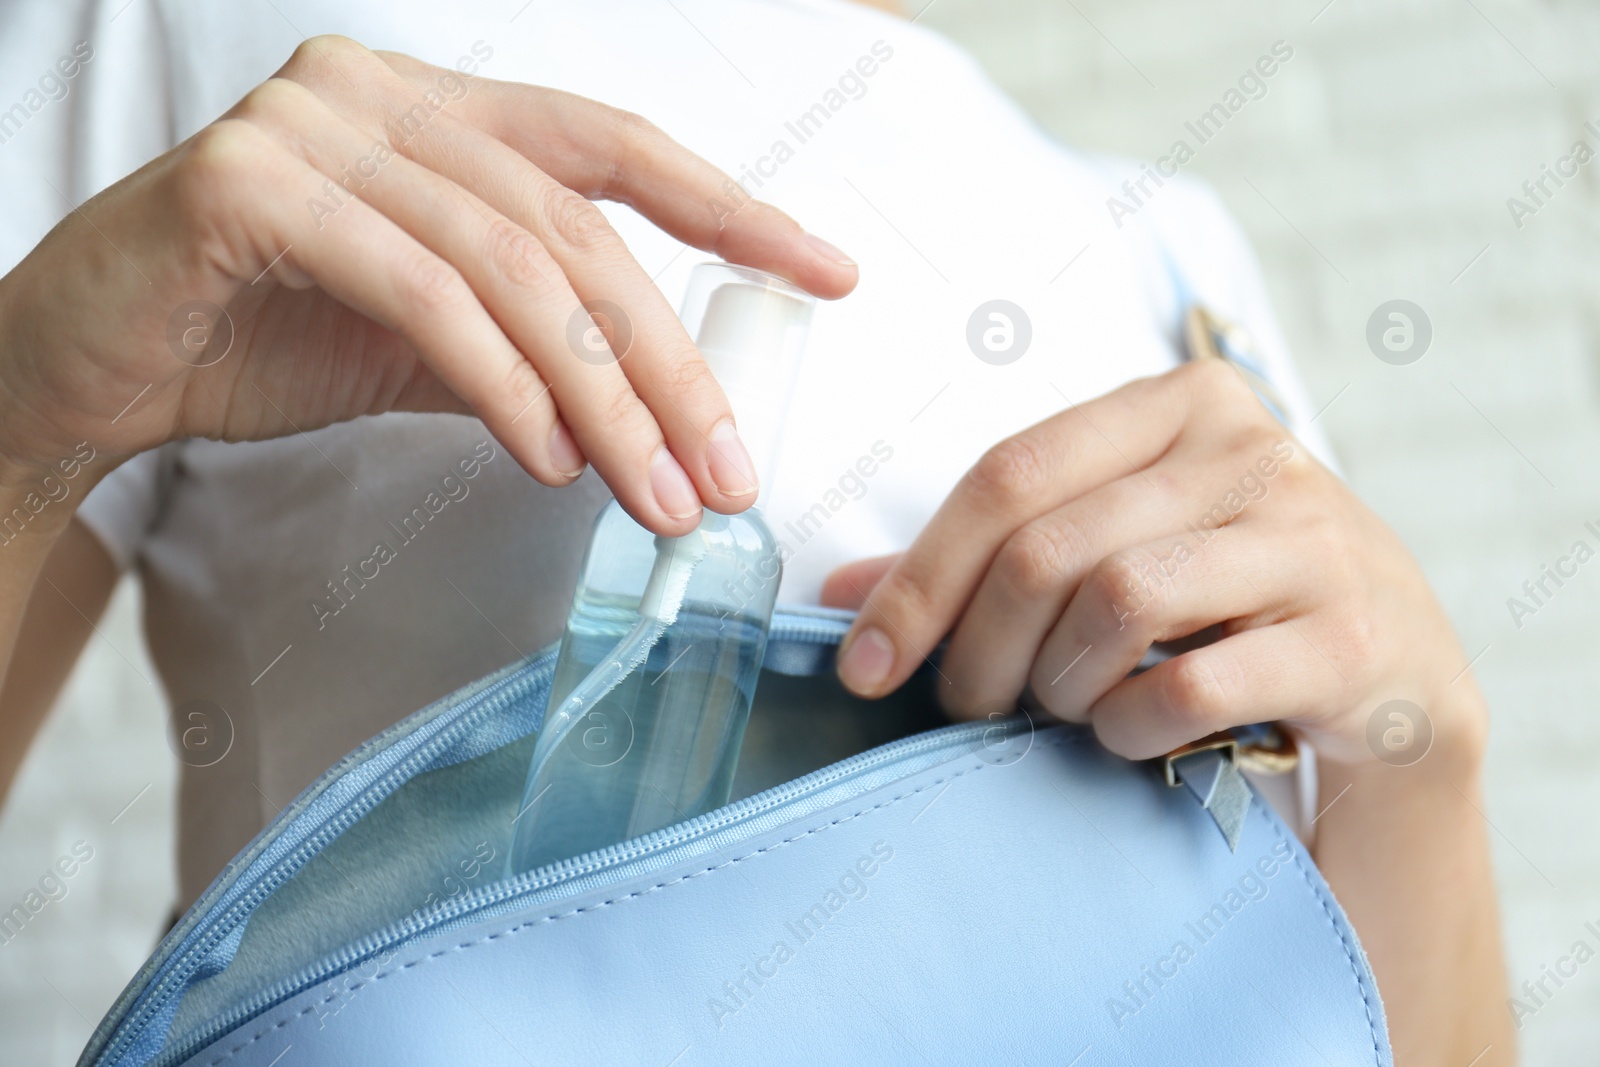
x,y
1174,506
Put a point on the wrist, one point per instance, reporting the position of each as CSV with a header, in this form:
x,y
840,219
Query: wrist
x,y
1462,725
1445,748
1458,717
39,499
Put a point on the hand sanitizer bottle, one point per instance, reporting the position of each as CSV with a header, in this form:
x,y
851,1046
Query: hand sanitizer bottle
x,y
663,645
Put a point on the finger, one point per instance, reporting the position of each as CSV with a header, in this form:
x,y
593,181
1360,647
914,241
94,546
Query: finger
x,y
1260,675
660,363
1039,568
258,192
426,393
848,586
1023,477
525,290
1159,591
675,388
428,210
604,153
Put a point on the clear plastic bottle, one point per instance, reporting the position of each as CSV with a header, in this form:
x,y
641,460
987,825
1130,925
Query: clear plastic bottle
x,y
658,664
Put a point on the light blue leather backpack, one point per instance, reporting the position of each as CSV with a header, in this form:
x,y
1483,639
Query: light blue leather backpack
x,y
932,894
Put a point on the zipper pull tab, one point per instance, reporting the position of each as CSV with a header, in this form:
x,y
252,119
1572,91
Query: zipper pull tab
x,y
1210,768
1214,779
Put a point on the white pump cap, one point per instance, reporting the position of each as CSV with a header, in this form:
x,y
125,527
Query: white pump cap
x,y
751,328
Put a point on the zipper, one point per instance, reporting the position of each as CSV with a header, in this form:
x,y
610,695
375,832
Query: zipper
x,y
175,978
172,976
617,863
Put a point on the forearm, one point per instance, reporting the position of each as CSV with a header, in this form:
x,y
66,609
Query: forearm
x,y
54,581
1406,851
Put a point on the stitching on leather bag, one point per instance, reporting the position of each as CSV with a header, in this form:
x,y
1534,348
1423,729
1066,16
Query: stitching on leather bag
x,y
1350,949
530,924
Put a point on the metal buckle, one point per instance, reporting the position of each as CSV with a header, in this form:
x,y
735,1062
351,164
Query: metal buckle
x,y
1271,750
1209,336
1265,748
1221,740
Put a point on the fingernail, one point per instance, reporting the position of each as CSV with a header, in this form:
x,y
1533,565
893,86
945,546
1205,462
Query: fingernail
x,y
731,466
674,491
867,661
565,456
828,252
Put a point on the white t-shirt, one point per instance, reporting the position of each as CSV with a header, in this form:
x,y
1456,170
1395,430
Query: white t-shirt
x,y
946,194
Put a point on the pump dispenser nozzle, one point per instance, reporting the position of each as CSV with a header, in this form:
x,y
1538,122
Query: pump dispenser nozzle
x,y
751,329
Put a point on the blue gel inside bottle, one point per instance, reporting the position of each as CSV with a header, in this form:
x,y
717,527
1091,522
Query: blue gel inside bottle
x,y
662,743
664,641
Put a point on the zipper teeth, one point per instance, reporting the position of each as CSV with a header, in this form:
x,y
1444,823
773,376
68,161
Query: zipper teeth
x,y
794,627
491,700
613,859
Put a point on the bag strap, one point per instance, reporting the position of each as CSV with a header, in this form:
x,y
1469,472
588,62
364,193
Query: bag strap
x,y
1200,333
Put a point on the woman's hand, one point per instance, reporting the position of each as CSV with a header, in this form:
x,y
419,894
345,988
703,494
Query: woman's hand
x,y
1178,506
388,235
1172,506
